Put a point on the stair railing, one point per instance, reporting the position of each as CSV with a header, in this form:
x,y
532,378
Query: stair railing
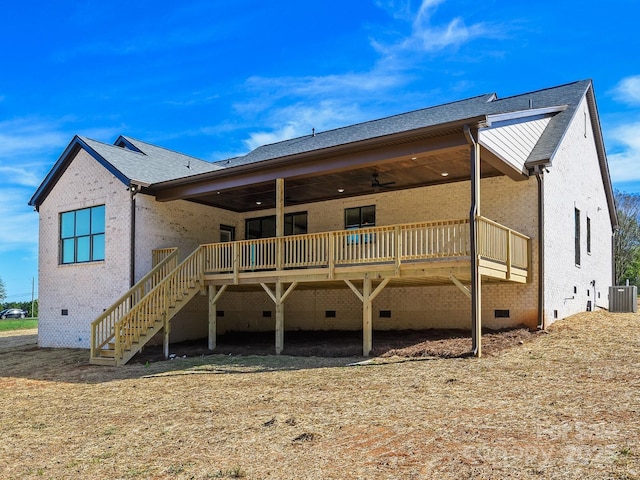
x,y
155,305
103,327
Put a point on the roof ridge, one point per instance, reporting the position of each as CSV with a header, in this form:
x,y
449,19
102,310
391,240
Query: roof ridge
x,y
316,133
132,140
556,87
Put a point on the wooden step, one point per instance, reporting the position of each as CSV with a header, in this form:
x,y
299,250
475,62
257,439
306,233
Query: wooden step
x,y
108,353
103,361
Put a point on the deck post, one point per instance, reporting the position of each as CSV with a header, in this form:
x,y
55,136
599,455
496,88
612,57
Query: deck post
x,y
279,222
367,318
214,296
278,297
279,319
167,331
474,214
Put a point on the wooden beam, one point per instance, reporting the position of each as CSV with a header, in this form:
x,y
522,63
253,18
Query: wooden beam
x,y
354,290
367,318
288,291
269,292
278,297
279,319
379,288
279,221
459,284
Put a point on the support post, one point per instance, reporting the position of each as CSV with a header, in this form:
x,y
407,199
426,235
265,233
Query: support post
x,y
279,222
474,214
278,297
167,331
367,318
279,319
214,296
367,297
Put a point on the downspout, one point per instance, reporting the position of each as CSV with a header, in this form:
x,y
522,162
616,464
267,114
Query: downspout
x,y
133,189
539,172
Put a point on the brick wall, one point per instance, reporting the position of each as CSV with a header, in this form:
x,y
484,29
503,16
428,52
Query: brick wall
x,y
574,181
83,290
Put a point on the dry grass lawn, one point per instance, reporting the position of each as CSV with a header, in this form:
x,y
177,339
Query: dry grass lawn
x,y
561,405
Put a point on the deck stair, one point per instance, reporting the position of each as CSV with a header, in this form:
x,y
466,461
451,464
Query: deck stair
x,y
147,308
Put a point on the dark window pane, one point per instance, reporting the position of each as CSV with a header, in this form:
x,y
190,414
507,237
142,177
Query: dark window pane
x,y
84,249
97,219
67,224
300,223
83,222
577,235
68,250
253,229
269,227
369,216
352,217
98,247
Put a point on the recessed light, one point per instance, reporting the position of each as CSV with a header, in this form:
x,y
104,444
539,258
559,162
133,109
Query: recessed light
x,y
414,158
445,174
341,190
258,203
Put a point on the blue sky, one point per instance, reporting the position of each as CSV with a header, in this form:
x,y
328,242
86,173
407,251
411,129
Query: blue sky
x,y
215,79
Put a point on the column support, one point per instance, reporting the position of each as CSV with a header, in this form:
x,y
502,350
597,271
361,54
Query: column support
x,y
367,297
278,297
214,296
279,222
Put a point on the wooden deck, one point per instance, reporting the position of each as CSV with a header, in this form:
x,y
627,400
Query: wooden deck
x,y
365,260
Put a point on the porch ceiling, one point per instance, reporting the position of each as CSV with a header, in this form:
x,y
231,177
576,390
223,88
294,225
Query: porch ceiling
x,y
320,176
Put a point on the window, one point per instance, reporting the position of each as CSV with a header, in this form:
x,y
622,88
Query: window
x,y
588,235
82,235
360,217
577,235
227,233
265,227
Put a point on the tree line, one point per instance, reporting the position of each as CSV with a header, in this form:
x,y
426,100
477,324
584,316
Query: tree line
x,y
627,239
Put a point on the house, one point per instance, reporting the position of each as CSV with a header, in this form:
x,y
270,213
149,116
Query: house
x,y
485,212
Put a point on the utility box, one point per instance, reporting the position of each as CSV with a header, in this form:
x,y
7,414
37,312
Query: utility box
x,y
623,299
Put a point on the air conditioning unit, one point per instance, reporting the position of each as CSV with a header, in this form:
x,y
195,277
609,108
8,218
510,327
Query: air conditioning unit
x,y
623,299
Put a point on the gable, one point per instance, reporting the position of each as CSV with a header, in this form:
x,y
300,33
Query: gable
x,y
514,143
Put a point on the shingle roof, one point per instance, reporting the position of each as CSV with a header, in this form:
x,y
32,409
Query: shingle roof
x,y
569,94
134,161
151,164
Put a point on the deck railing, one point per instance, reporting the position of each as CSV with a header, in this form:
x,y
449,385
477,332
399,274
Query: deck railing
x,y
385,244
169,283
103,328
155,305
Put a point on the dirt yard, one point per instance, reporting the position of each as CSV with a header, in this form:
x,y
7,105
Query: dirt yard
x,y
561,405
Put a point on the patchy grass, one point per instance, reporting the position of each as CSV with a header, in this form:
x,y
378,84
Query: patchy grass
x,y
18,324
559,405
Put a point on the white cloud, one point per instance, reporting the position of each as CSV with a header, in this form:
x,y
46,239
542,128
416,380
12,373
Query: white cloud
x,y
628,90
265,138
300,119
426,36
324,86
623,164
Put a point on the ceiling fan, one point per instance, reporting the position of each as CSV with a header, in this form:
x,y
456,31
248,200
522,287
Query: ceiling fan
x,y
376,184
